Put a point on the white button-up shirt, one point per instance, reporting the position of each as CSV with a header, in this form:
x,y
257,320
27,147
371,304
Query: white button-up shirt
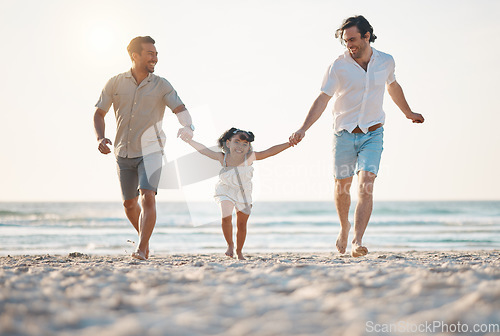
x,y
359,93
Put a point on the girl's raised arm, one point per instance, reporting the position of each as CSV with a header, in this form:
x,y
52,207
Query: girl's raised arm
x,y
219,156
271,151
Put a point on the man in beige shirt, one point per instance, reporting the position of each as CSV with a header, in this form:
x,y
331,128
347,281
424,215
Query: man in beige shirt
x,y
139,99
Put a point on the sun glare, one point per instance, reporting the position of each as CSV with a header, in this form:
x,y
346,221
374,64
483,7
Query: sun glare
x,y
100,37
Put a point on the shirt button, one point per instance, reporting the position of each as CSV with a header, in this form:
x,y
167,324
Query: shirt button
x,y
135,103
129,129
132,115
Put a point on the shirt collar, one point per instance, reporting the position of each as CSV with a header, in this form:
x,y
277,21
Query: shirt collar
x,y
128,74
375,53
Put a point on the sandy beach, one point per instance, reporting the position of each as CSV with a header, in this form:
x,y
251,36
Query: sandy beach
x,y
269,294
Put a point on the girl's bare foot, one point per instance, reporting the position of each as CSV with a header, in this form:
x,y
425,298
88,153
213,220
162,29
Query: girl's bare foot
x,y
230,251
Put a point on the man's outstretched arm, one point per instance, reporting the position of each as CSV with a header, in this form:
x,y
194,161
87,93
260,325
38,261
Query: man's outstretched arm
x,y
397,95
182,114
316,110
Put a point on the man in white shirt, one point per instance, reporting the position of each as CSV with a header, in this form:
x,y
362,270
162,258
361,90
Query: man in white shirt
x,y
357,79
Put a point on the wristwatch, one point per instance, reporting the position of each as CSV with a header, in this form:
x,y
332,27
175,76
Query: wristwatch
x,y
191,127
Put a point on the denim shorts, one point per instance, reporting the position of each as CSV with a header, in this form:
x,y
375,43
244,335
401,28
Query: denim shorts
x,y
355,152
139,173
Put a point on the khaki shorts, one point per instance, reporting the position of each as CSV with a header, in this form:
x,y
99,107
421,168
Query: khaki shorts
x,y
139,173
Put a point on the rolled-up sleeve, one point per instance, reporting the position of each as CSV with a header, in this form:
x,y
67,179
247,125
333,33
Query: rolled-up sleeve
x,y
392,69
106,98
330,82
171,98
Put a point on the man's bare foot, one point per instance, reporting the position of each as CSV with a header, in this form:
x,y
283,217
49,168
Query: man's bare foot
x,y
358,250
240,255
139,255
147,249
342,239
230,251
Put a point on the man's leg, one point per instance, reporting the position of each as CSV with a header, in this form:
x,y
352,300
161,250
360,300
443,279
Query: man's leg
x,y
363,211
148,171
147,221
371,147
344,164
129,180
343,203
133,211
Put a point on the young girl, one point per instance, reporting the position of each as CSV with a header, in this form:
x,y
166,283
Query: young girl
x,y
234,188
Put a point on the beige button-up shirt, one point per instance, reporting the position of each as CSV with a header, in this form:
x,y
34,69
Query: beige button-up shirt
x,y
137,109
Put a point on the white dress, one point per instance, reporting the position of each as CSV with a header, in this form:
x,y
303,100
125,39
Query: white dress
x,y
235,185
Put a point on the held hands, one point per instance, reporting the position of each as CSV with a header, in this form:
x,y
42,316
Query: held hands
x,y
103,145
185,133
297,137
416,118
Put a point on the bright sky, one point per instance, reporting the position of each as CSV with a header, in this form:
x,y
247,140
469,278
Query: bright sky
x,y
256,65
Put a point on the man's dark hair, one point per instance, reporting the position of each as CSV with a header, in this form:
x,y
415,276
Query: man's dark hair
x,y
358,21
135,46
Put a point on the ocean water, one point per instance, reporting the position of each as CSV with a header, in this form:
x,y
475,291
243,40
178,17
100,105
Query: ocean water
x,y
102,228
